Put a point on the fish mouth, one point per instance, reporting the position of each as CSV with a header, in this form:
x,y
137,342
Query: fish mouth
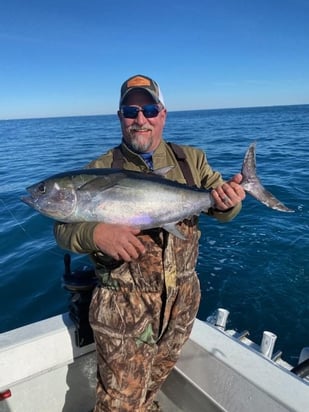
x,y
29,201
33,195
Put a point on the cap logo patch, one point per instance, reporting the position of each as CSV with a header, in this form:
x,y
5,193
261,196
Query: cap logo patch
x,y
138,81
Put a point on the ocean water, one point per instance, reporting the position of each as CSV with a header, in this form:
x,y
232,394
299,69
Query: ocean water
x,y
256,266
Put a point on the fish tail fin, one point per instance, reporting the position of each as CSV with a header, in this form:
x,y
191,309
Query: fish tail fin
x,y
252,185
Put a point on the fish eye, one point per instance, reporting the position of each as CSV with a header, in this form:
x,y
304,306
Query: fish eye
x,y
42,187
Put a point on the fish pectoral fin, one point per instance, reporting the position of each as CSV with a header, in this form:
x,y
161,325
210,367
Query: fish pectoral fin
x,y
103,182
171,228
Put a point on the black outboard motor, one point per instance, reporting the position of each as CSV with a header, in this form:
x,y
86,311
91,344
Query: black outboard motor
x,y
80,283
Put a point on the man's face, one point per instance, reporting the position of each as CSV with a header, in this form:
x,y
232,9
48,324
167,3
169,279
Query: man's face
x,y
142,134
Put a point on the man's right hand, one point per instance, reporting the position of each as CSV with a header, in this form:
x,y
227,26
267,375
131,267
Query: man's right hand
x,y
118,241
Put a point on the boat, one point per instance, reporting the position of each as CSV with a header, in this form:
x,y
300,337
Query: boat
x,y
50,366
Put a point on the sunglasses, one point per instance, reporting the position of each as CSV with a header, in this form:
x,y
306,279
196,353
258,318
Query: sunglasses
x,y
149,111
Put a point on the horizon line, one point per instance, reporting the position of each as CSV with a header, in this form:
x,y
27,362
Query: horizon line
x,y
169,111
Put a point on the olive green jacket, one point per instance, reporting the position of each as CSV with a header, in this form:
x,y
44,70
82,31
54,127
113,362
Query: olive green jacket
x,y
78,237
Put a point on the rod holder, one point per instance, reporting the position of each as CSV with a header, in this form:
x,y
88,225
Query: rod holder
x,y
222,315
268,344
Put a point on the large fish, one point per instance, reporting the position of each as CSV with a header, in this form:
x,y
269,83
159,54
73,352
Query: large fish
x,y
143,200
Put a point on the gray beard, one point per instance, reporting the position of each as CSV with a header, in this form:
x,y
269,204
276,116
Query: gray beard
x,y
140,147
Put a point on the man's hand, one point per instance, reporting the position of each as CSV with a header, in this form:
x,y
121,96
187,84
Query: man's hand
x,y
118,241
229,194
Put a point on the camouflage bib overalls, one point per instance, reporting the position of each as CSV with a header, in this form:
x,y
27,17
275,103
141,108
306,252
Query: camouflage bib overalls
x,y
141,316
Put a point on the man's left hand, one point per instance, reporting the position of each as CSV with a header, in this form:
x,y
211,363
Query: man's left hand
x,y
229,194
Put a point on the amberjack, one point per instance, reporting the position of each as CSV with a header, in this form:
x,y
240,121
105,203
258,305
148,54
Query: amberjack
x,y
137,199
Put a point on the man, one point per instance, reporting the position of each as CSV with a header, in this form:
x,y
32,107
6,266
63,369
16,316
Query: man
x,y
143,310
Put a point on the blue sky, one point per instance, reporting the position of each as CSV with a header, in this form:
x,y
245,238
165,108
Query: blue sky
x,y
69,57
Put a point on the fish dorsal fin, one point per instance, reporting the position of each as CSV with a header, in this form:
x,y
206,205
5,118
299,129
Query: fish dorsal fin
x,y
162,171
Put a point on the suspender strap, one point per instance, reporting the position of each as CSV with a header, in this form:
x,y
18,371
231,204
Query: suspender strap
x,y
118,159
183,163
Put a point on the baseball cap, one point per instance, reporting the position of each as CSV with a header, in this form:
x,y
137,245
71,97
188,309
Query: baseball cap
x,y
140,81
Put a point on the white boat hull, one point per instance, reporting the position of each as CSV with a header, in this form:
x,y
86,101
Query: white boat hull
x,y
45,371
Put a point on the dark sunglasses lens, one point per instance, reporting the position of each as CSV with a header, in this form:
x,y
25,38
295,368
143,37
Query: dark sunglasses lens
x,y
150,110
130,112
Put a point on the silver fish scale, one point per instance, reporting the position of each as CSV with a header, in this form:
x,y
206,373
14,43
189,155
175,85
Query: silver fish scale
x,y
144,204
